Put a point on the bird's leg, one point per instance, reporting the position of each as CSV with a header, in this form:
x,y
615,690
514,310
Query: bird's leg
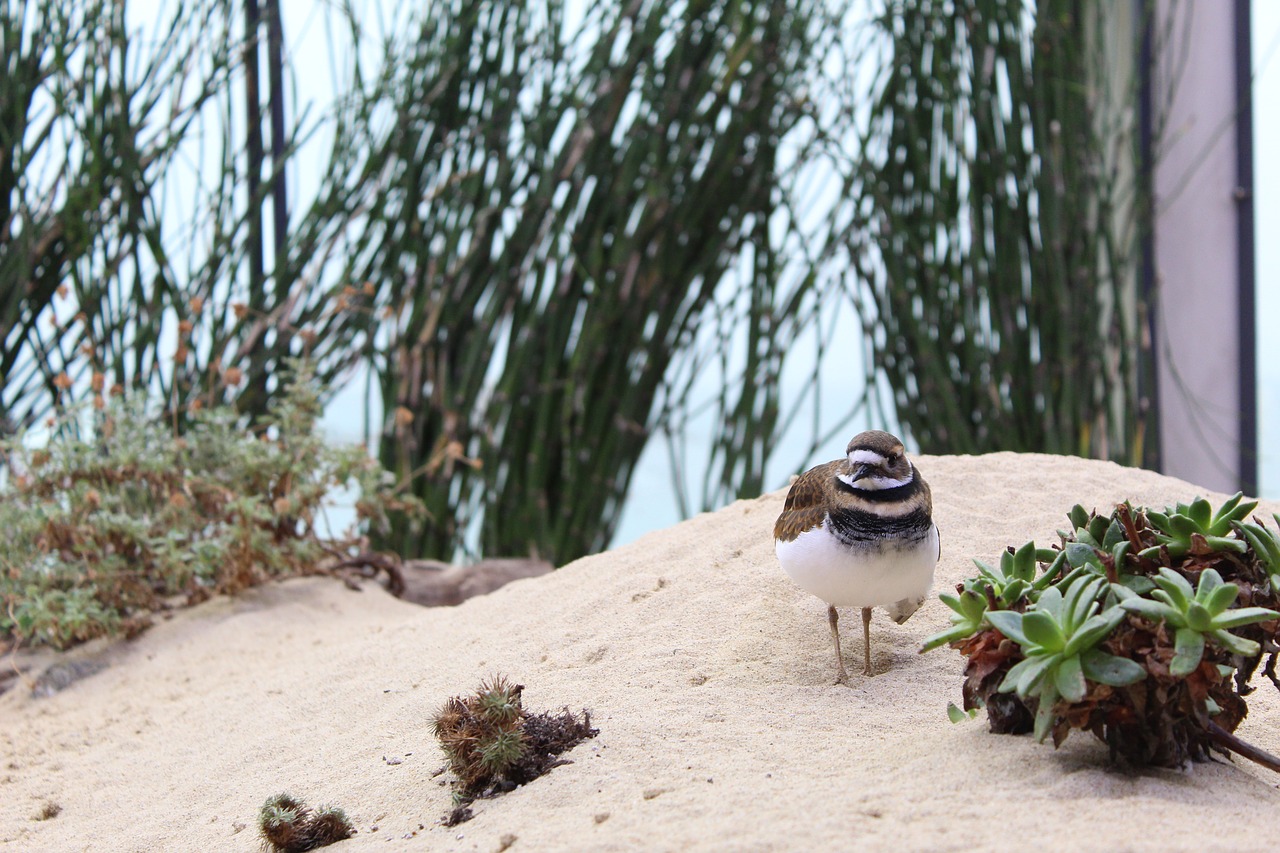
x,y
834,618
866,638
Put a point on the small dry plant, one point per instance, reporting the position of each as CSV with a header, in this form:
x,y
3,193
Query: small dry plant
x,y
287,825
494,745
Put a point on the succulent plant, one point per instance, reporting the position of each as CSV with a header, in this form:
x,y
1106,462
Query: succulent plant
x,y
1130,631
1059,637
1196,614
1196,527
1266,545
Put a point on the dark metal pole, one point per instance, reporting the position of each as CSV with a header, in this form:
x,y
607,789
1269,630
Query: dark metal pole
x,y
1246,334
253,146
279,195
253,398
1148,381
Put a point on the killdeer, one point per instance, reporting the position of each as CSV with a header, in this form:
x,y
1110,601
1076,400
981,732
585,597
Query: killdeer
x,y
859,532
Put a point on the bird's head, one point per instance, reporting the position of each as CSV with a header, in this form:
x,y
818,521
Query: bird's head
x,y
877,460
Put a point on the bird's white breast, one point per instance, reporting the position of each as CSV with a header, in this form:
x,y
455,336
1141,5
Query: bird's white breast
x,y
865,577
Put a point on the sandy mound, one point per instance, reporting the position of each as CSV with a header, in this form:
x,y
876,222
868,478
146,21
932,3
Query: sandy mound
x,y
707,672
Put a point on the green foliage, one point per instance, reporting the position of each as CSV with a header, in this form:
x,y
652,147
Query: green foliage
x,y
969,615
1207,610
632,197
1059,636
1196,526
542,238
998,222
1111,640
107,525
1266,545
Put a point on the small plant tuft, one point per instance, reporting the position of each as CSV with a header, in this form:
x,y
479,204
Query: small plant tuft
x,y
288,826
494,745
1142,627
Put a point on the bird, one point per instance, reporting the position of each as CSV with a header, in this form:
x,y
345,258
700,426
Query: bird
x,y
859,532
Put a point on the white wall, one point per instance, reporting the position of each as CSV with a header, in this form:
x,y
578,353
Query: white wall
x,y
1196,249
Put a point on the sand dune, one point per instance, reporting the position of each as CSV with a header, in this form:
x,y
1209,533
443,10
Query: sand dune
x,y
707,672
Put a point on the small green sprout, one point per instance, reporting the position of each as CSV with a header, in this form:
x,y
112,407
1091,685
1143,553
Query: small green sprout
x,y
1012,581
1195,614
1059,638
968,616
1178,527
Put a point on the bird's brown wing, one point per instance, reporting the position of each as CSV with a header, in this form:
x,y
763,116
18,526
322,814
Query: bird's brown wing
x,y
806,503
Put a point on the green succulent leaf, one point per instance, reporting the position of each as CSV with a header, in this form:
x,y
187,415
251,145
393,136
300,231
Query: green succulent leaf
x,y
1198,618
1118,553
1219,543
1123,592
1033,673
1009,623
1080,554
1235,645
1228,507
1006,566
969,614
1015,673
1265,544
1043,631
1068,678
1080,602
1044,713
1184,526
958,715
1110,669
1243,616
1137,584
1024,562
1079,517
1093,631
1115,535
1178,591
1050,602
1188,650
1154,610
1098,529
943,637
1200,513
1219,598
1047,579
1013,591
1231,512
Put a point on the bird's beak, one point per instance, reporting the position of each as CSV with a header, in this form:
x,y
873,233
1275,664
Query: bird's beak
x,y
863,470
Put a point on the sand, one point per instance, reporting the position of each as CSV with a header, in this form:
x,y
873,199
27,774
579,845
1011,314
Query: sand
x,y
706,670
